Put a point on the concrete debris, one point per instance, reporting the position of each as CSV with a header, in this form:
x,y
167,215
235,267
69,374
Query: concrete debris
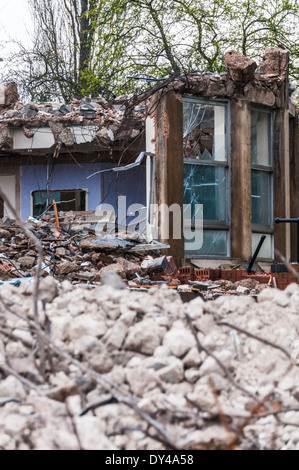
x,y
111,126
275,62
229,361
116,124
241,68
266,83
74,253
77,254
8,95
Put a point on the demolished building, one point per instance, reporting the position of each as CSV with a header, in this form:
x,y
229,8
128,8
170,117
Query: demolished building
x,y
226,142
231,143
49,150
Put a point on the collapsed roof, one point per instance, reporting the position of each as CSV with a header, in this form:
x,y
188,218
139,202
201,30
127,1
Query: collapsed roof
x,y
265,84
119,124
105,124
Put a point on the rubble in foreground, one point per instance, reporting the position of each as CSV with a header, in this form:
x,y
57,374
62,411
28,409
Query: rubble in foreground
x,y
142,370
77,253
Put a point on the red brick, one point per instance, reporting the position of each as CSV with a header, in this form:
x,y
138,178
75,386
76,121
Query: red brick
x,y
217,274
186,274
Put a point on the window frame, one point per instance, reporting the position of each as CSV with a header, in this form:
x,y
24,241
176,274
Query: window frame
x,y
265,228
85,190
212,224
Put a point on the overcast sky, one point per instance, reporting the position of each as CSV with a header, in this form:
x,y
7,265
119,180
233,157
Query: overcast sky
x,y
15,22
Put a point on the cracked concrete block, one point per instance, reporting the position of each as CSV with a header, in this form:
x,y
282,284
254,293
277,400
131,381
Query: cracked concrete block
x,y
241,68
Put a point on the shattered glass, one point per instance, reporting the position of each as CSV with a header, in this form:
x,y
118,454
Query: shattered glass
x,y
214,243
204,131
206,185
205,139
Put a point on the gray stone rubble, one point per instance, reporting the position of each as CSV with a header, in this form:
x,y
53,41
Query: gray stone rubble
x,y
140,346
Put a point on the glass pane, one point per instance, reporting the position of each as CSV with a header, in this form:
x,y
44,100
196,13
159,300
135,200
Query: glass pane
x,y
266,250
261,138
206,185
261,197
214,243
204,131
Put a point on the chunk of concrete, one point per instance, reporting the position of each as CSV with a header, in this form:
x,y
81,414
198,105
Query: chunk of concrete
x,y
241,68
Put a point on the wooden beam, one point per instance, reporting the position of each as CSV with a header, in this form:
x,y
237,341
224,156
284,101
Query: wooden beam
x,y
170,167
280,154
294,178
241,238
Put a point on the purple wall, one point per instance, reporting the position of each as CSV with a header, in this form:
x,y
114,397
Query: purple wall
x,y
131,183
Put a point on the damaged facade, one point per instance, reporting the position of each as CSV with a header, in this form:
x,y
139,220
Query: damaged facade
x,y
49,151
229,143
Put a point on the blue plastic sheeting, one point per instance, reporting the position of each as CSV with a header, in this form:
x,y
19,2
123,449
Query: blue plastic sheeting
x,y
18,281
103,188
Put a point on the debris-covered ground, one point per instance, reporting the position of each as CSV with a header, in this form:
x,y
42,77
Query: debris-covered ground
x,y
78,253
74,252
113,369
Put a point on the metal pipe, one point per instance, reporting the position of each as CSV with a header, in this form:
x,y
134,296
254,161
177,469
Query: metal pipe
x,y
56,215
249,269
278,220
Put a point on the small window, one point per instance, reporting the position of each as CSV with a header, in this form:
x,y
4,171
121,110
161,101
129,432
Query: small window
x,y
66,200
262,181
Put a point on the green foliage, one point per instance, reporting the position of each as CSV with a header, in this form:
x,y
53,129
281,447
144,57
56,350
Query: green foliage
x,y
91,47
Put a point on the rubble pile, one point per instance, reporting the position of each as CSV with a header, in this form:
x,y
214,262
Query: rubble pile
x,y
111,121
78,253
74,252
113,369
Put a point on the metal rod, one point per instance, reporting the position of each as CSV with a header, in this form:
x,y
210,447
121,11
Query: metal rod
x,y
287,221
263,238
56,215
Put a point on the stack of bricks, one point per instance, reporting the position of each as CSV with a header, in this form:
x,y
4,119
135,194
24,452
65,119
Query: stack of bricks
x,y
205,274
235,275
283,279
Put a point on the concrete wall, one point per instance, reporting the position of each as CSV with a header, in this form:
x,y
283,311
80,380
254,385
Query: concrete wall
x,y
101,188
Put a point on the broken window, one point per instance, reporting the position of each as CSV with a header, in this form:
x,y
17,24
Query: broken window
x,y
204,131
66,200
206,173
262,180
206,185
